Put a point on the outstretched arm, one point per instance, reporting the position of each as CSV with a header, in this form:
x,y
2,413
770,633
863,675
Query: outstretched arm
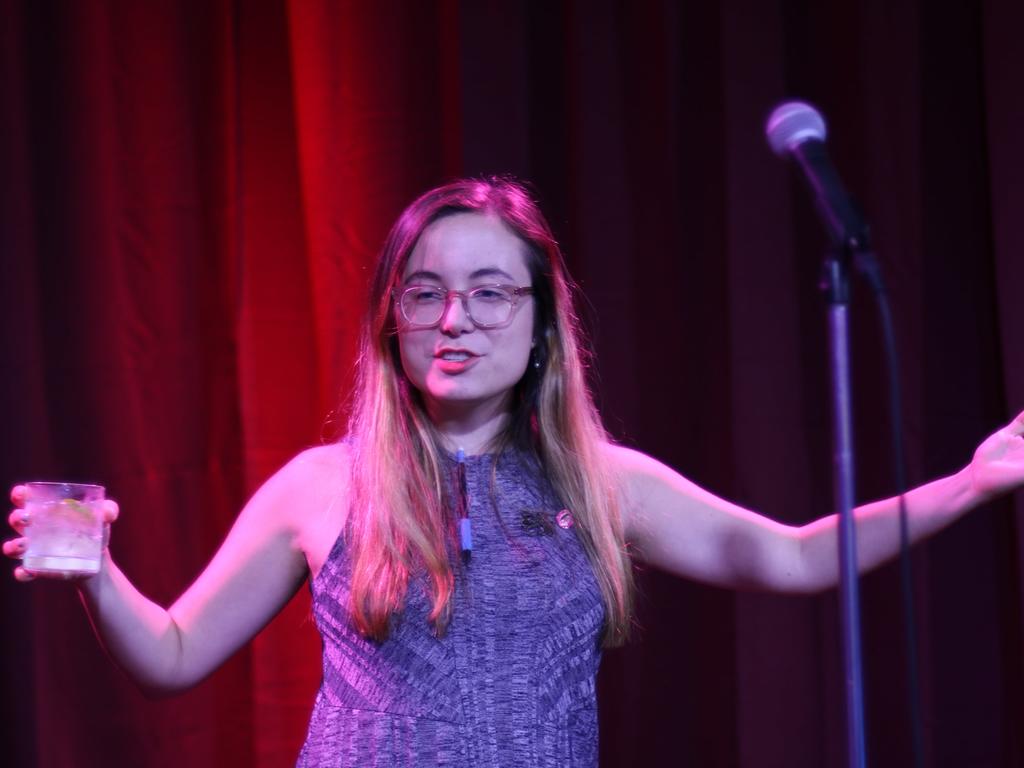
x,y
255,572
684,529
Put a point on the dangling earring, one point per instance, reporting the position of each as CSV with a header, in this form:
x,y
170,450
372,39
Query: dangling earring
x,y
534,356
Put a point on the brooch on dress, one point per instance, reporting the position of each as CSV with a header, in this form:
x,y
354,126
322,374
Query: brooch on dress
x,y
538,522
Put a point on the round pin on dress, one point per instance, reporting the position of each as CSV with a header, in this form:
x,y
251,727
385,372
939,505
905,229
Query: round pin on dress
x,y
564,519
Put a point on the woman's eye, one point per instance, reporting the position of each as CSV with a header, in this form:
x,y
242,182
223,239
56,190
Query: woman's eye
x,y
490,294
426,295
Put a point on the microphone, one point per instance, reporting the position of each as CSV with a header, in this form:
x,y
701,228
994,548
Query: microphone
x,y
798,129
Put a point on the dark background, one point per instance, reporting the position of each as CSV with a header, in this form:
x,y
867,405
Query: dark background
x,y
192,193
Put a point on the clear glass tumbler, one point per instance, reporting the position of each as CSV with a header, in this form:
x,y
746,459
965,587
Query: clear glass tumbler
x,y
65,530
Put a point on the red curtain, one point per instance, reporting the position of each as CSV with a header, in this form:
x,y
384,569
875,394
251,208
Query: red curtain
x,y
192,197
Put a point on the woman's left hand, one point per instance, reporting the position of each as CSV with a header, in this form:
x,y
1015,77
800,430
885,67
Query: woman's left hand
x,y
998,464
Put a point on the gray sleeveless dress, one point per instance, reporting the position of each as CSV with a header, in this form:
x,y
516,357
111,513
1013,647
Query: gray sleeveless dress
x,y
512,682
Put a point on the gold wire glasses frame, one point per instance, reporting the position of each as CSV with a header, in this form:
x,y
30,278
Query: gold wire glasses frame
x,y
487,306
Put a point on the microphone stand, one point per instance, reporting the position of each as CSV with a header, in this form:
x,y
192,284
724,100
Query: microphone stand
x,y
835,285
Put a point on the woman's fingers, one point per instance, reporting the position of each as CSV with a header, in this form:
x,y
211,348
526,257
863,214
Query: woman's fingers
x,y
110,511
1016,427
15,547
18,519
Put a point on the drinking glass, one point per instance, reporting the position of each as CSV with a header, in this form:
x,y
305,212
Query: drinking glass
x,y
65,530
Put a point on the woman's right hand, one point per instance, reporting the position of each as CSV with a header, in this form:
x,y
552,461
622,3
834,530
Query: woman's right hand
x,y
19,519
258,568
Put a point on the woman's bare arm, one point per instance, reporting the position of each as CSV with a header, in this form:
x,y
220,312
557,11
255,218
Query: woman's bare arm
x,y
255,572
684,529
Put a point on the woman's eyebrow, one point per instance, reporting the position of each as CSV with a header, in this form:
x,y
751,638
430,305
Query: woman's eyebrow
x,y
424,274
491,272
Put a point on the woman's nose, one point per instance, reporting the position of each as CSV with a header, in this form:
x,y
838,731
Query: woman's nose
x,y
455,319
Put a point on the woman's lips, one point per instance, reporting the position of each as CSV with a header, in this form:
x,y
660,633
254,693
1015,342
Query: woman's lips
x,y
453,362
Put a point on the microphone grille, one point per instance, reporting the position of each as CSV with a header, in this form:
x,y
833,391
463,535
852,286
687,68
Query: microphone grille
x,y
792,123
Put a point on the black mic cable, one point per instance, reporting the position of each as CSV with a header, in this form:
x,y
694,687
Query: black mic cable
x,y
867,265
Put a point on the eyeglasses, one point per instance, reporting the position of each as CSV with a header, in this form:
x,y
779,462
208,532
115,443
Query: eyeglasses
x,y
487,306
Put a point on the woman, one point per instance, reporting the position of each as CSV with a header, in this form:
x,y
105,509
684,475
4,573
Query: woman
x,y
468,543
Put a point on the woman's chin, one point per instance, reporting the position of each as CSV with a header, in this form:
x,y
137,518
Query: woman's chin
x,y
456,398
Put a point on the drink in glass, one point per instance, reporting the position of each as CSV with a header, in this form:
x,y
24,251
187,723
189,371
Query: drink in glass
x,y
65,530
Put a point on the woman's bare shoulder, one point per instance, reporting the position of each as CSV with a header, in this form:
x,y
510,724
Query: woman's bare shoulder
x,y
648,486
315,470
316,484
633,467
312,482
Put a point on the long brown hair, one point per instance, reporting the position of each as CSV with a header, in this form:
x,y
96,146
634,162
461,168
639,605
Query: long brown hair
x,y
397,520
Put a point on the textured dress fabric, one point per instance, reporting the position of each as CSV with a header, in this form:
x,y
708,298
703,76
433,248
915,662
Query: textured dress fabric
x,y
512,681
